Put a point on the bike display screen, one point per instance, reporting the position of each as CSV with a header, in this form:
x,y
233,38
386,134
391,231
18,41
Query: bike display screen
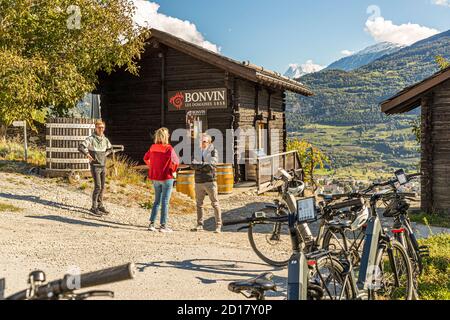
x,y
401,177
306,209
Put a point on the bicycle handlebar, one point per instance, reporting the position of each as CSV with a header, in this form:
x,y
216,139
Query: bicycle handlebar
x,y
347,204
256,219
95,278
236,222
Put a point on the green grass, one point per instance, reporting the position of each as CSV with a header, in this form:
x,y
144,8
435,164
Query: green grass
x,y
12,150
376,148
4,207
434,284
436,220
123,171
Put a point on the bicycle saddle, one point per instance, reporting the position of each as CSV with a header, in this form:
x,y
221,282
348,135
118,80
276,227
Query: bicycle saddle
x,y
259,284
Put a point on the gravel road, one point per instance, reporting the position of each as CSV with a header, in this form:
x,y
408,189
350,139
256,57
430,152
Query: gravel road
x,y
53,232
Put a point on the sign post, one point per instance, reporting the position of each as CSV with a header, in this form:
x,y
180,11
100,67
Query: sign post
x,y
25,144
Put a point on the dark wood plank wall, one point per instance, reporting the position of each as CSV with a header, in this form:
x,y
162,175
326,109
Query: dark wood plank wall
x,y
131,105
427,154
253,99
184,72
250,95
438,110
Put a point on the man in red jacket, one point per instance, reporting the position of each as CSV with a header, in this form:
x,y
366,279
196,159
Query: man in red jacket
x,y
162,162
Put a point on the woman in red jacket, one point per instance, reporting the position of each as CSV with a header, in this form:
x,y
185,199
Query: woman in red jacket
x,y
162,162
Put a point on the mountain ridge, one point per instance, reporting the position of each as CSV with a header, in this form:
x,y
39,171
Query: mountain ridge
x,y
362,89
365,56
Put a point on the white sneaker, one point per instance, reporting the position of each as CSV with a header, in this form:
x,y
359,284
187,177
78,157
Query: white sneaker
x,y
152,228
165,230
218,230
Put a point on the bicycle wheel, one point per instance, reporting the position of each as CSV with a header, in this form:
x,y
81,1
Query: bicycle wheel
x,y
340,241
328,275
384,286
271,241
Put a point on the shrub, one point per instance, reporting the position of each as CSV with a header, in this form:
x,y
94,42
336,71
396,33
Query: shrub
x,y
123,170
12,150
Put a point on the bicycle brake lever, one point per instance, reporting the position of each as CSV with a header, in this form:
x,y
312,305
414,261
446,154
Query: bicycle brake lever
x,y
94,293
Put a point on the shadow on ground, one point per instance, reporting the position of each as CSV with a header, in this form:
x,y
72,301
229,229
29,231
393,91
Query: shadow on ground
x,y
239,270
44,202
100,223
233,215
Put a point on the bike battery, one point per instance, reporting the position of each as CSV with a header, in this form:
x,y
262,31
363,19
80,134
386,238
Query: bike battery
x,y
297,277
368,269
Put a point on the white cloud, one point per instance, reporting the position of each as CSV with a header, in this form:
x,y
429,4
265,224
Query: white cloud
x,y
404,34
147,15
347,52
445,3
310,67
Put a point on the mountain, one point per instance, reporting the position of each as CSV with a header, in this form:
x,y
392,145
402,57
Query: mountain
x,y
350,100
365,56
346,98
296,71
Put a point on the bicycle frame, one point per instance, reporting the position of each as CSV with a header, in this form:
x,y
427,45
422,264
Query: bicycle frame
x,y
297,284
291,202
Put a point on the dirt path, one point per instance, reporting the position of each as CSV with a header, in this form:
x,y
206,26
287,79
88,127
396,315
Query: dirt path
x,y
53,232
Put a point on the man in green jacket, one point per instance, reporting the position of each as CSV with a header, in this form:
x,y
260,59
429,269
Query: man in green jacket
x,y
96,148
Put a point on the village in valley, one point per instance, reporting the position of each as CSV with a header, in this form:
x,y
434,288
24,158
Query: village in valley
x,y
156,151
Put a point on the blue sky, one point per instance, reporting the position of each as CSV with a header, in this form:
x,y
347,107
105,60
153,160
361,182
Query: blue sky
x,y
275,33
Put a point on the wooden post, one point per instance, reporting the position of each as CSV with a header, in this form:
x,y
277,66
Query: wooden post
x,y
269,136
25,143
427,154
258,178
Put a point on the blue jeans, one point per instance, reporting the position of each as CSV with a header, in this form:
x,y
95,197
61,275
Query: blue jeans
x,y
163,191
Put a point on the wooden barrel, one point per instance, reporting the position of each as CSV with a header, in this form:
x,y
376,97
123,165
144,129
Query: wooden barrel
x,y
186,183
225,178
63,136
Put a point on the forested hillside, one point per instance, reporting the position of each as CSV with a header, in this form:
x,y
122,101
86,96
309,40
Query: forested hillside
x,y
346,107
347,98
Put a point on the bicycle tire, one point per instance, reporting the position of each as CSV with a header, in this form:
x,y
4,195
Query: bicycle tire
x,y
414,254
270,258
336,267
375,294
327,244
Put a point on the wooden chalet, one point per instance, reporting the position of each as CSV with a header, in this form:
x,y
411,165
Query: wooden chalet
x,y
433,95
245,96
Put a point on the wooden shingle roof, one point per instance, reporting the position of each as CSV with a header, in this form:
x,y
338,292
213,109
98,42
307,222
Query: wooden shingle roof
x,y
245,70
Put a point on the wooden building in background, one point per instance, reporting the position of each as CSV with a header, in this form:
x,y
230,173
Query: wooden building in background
x,y
173,75
433,95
